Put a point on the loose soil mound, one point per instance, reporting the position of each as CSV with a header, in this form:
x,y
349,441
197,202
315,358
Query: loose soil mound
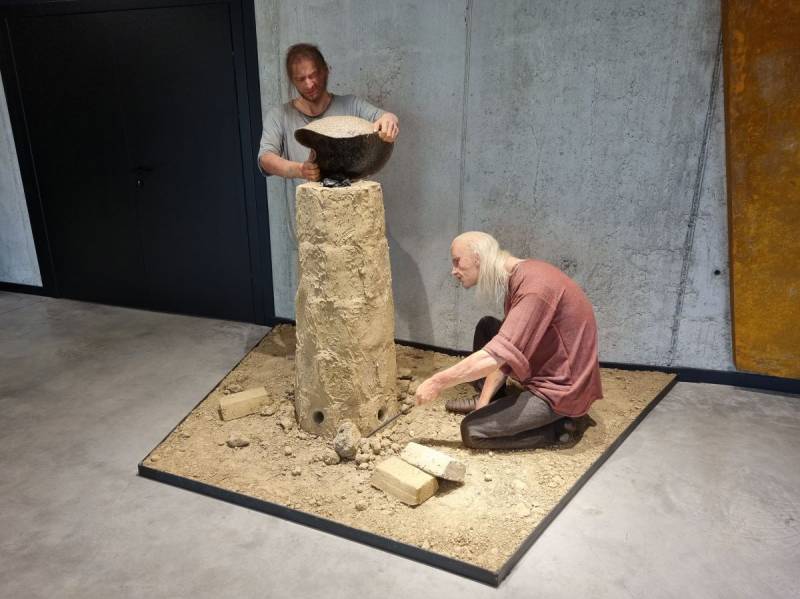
x,y
506,494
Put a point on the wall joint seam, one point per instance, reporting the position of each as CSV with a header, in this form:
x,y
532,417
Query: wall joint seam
x,y
688,243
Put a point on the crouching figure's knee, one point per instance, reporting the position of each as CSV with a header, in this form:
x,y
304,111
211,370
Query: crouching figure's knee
x,y
468,434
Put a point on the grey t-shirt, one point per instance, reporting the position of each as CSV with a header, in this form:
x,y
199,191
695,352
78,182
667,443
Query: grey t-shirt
x,y
282,121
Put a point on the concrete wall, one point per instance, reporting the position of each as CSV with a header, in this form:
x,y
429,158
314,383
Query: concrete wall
x,y
588,134
582,133
585,133
18,262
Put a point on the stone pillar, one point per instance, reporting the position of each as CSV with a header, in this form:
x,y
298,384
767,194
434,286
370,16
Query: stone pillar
x,y
345,356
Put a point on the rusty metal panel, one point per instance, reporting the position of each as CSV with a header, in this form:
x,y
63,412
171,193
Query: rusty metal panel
x,y
762,102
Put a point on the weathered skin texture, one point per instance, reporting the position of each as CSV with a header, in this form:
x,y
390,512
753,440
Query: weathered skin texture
x,y
345,359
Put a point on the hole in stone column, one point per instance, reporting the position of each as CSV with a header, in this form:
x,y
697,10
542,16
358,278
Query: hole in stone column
x,y
318,417
381,413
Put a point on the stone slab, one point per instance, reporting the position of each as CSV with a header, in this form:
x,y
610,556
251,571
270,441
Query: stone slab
x,y
434,462
407,483
244,403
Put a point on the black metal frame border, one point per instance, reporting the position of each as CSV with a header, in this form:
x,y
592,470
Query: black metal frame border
x,y
245,58
454,566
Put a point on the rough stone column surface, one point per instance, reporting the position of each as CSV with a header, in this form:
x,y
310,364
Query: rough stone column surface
x,y
345,359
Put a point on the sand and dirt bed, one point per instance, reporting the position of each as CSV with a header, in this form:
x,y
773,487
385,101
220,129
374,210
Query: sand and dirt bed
x,y
482,521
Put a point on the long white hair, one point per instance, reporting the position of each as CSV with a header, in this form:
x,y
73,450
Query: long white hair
x,y
492,276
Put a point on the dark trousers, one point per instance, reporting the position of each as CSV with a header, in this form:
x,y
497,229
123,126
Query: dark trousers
x,y
525,421
487,327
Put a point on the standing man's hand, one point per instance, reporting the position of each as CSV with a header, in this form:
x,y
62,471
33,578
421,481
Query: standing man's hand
x,y
309,169
387,126
428,391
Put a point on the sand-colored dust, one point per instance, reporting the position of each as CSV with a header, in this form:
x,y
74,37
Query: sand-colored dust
x,y
482,521
345,311
341,126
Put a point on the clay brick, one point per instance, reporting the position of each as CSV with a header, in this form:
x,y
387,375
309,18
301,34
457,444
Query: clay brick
x,y
434,462
243,403
404,481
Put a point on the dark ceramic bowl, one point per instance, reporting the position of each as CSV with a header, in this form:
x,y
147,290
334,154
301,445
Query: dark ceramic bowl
x,y
352,157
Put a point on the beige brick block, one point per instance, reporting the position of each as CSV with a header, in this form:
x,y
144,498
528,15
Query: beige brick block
x,y
243,403
434,462
404,481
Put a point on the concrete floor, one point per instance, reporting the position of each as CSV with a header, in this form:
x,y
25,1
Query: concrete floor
x,y
702,500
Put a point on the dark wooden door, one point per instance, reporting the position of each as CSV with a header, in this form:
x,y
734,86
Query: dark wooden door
x,y
134,131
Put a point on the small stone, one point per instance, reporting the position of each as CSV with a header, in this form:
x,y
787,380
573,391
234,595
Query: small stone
x,y
487,477
296,471
155,457
237,441
375,445
425,545
404,373
395,447
385,442
226,392
287,450
361,458
346,441
406,408
286,423
184,435
491,454
235,388
364,466
361,505
331,458
267,410
302,435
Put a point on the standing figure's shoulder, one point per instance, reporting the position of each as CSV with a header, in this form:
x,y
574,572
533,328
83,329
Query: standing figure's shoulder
x,y
352,105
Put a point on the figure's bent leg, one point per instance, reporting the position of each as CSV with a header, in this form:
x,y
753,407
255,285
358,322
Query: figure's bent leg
x,y
523,422
487,327
485,330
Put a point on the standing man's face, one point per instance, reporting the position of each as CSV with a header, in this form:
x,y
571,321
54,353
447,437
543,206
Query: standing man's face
x,y
311,82
466,267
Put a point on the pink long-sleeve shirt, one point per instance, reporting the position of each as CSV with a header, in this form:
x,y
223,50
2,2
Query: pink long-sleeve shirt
x,y
548,339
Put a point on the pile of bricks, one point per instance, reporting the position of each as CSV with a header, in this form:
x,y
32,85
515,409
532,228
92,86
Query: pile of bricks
x,y
413,477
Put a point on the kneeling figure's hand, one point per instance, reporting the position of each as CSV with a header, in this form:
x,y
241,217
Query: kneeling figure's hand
x,y
426,392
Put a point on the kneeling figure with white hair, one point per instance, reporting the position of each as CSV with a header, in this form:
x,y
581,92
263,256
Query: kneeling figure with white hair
x,y
547,341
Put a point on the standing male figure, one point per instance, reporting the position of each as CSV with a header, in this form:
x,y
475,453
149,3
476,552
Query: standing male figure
x,y
547,340
279,153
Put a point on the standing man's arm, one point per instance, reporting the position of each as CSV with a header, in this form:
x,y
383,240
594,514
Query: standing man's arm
x,y
474,366
272,149
273,164
387,126
385,123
